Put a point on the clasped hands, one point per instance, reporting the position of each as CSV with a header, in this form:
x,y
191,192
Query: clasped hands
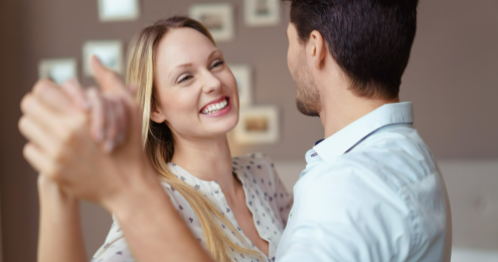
x,y
87,142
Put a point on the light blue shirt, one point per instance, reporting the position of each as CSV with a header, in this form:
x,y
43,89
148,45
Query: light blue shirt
x,y
370,192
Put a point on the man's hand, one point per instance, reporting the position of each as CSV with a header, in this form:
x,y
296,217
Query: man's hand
x,y
61,144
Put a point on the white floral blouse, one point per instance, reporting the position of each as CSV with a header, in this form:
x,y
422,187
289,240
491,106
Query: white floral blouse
x,y
266,198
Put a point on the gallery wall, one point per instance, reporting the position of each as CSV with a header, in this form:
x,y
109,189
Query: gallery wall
x,y
452,79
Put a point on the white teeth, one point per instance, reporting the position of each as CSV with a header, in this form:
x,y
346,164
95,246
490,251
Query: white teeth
x,y
215,107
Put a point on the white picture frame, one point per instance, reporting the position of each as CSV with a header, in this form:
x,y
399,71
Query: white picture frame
x,y
118,10
58,70
217,18
243,76
110,53
262,12
258,125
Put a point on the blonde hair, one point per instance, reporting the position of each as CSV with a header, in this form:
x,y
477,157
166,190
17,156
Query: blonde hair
x,y
158,140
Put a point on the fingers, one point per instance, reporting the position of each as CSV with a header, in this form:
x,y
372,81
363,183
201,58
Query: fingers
x,y
97,115
35,157
52,95
111,128
74,90
107,79
39,112
35,133
117,123
122,121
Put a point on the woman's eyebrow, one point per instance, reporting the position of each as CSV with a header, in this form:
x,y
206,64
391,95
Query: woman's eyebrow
x,y
213,53
178,66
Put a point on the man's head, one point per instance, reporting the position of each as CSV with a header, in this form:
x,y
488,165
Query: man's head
x,y
368,40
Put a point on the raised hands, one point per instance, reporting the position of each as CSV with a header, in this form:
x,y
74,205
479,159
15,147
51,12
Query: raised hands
x,y
64,127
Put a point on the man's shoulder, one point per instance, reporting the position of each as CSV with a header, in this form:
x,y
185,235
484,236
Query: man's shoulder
x,y
385,167
395,154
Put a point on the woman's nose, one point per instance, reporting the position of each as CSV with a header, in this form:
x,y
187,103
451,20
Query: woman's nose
x,y
211,82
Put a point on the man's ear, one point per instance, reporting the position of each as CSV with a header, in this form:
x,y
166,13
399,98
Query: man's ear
x,y
317,49
156,115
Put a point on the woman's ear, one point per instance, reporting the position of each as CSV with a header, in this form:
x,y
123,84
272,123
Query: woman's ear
x,y
156,115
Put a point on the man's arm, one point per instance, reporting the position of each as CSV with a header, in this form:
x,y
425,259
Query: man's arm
x,y
154,230
61,147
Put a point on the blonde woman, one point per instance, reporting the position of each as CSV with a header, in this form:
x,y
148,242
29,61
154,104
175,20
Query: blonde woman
x,y
236,207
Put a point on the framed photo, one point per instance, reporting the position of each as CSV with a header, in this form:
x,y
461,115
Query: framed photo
x,y
109,52
118,10
262,12
258,125
58,70
218,19
243,75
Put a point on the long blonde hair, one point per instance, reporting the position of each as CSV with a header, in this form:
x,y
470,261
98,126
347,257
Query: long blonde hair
x,y
158,140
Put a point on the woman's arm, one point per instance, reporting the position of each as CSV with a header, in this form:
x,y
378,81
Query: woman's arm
x,y
61,147
60,238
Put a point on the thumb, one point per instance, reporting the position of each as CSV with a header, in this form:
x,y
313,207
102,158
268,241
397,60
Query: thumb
x,y
107,79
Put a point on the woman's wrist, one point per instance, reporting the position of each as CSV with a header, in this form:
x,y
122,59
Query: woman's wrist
x,y
53,193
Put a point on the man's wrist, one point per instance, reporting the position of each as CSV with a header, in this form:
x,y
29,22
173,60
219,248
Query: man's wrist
x,y
140,192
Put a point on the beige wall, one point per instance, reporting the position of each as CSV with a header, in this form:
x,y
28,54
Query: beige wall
x,y
452,78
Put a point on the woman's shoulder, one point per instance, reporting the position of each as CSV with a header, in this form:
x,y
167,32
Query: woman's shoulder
x,y
258,164
253,159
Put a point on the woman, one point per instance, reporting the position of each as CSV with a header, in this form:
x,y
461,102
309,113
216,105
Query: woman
x,y
237,208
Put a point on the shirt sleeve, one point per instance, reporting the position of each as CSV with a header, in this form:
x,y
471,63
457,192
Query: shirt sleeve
x,y
341,218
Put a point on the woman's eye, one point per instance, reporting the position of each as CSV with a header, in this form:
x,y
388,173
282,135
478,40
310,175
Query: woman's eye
x,y
217,63
184,78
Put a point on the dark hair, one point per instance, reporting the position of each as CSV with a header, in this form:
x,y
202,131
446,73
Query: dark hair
x,y
371,40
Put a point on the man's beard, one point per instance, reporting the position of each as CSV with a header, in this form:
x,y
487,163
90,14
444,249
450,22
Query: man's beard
x,y
308,97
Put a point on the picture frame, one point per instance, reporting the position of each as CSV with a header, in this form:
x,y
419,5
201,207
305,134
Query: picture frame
x,y
262,12
118,10
58,70
258,125
217,18
110,53
243,76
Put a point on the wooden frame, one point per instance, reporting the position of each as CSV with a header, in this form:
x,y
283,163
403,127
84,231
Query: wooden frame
x,y
58,70
262,12
110,53
218,19
258,125
118,10
243,75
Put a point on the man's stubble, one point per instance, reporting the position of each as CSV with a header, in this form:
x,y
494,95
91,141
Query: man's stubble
x,y
308,96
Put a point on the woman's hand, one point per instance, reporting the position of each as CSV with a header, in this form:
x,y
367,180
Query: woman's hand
x,y
107,111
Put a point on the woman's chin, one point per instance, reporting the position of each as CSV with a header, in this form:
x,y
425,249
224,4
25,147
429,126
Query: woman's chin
x,y
222,127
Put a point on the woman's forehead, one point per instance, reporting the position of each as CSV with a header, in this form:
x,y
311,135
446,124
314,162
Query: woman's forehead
x,y
185,43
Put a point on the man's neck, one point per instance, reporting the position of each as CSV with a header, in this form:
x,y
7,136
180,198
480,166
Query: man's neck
x,y
338,111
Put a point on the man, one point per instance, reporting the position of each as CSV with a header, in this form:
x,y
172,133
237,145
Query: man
x,y
371,190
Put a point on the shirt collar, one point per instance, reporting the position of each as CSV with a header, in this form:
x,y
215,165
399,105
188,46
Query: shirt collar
x,y
348,137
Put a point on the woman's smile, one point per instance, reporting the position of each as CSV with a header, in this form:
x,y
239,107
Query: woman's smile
x,y
217,108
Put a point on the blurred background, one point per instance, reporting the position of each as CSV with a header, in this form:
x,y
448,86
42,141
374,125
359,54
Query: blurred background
x,y
452,78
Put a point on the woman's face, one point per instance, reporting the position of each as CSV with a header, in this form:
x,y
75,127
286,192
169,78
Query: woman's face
x,y
196,91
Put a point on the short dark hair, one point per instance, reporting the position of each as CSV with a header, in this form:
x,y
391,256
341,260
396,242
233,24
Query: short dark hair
x,y
371,40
